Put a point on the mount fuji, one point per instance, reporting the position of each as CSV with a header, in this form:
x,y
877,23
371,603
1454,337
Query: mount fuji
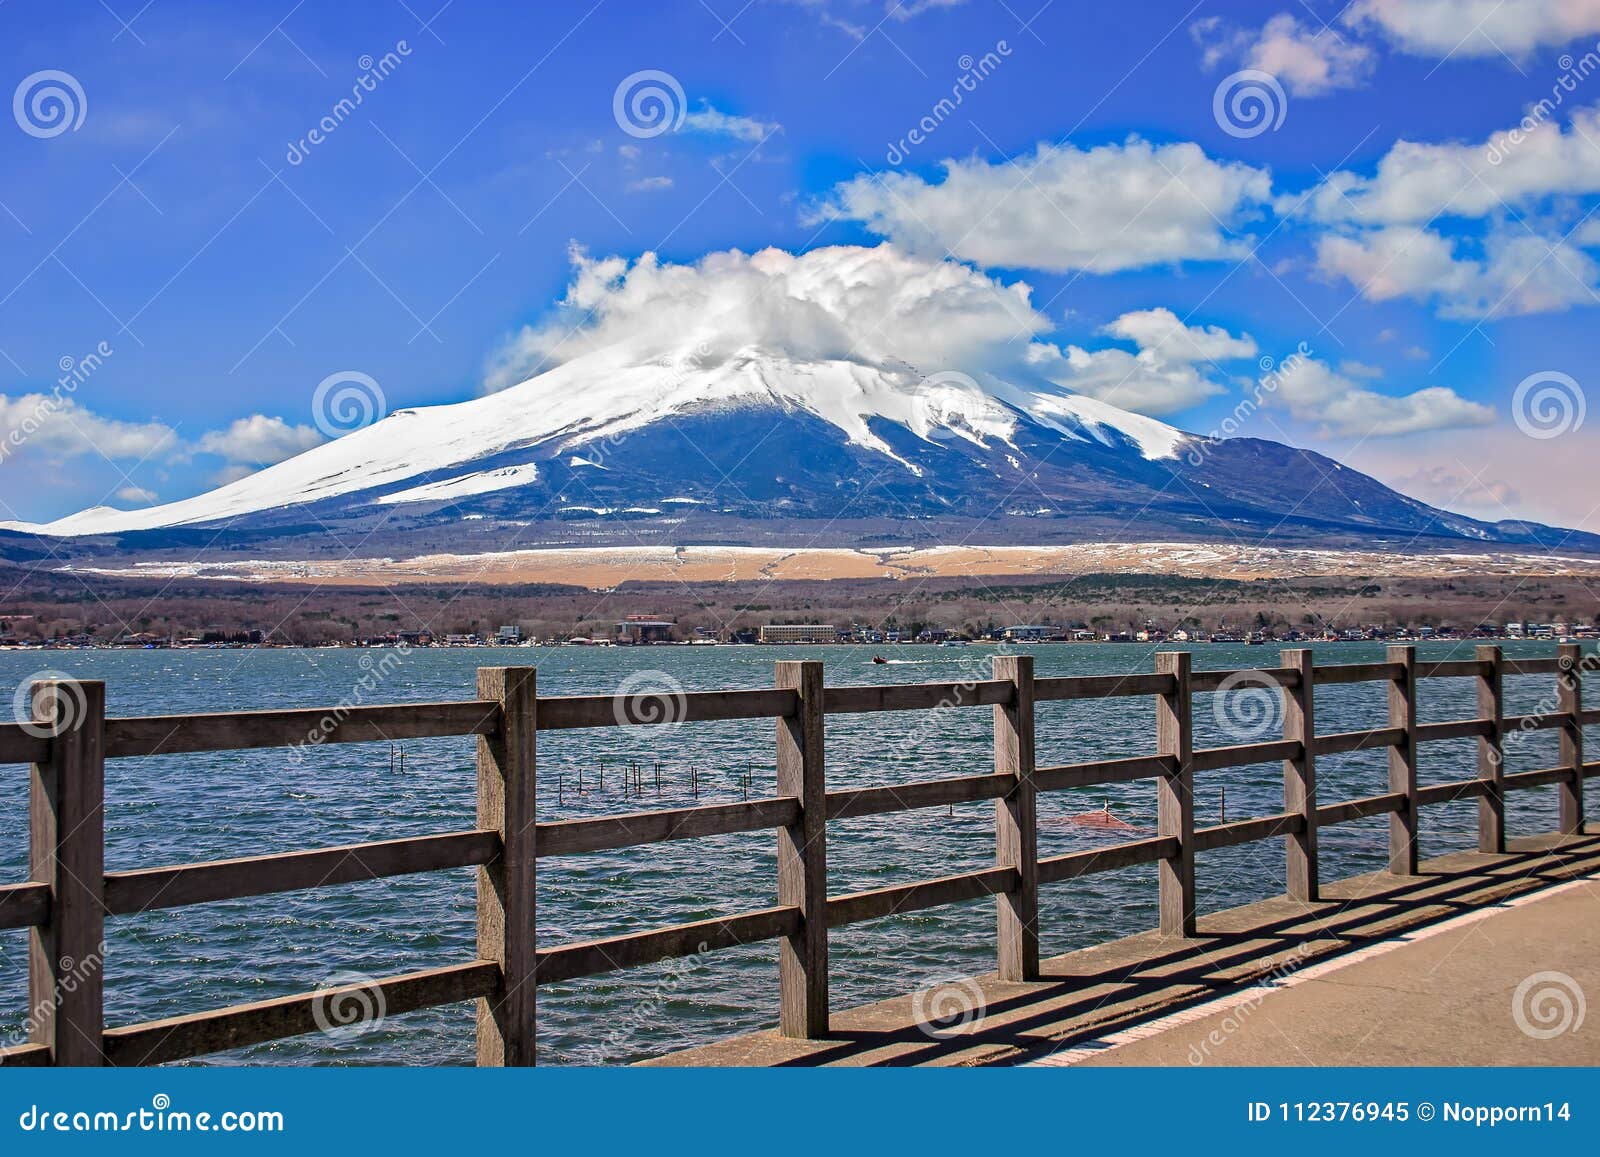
x,y
773,399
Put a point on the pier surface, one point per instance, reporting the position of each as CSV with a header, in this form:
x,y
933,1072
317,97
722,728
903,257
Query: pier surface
x,y
1384,970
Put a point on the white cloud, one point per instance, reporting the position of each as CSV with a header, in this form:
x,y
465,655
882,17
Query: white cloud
x,y
910,9
1309,62
875,306
1476,27
61,428
712,122
1312,392
650,185
259,441
1417,182
137,494
1104,209
1161,377
1518,273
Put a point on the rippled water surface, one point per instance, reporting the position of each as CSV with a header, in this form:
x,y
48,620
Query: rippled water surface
x,y
177,809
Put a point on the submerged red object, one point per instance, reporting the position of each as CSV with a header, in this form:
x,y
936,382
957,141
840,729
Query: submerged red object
x,y
1099,819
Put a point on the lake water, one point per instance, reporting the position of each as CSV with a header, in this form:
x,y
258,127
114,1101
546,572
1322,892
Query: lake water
x,y
199,807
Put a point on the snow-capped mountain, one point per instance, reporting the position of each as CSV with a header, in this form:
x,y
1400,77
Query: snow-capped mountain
x,y
702,437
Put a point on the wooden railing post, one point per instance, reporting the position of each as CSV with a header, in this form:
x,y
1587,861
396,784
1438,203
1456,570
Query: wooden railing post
x,y
66,805
803,858
1175,796
507,794
1300,774
1492,753
1403,851
1570,689
1016,818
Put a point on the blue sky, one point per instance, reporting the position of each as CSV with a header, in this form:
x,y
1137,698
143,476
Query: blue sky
x,y
229,263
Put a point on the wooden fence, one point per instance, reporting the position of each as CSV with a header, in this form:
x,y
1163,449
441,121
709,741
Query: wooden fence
x,y
69,894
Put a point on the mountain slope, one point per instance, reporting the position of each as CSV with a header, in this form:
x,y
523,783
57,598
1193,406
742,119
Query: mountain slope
x,y
692,439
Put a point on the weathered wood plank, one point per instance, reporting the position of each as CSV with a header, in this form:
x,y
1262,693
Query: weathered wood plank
x,y
1054,869
1451,669
1101,686
1454,729
23,905
854,907
24,1057
1203,681
1492,752
604,833
1530,666
593,957
1569,682
1016,824
179,885
1103,771
1248,831
1547,721
566,712
1543,777
803,856
1339,673
176,1038
508,761
20,745
1456,789
1403,846
66,851
1244,754
1300,775
1175,797
899,797
1376,738
1358,809
312,727
915,696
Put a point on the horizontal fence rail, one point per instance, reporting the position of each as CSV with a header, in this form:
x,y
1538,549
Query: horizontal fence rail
x,y
69,895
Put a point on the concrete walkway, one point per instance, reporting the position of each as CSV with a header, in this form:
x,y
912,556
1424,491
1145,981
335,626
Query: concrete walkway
x,y
1383,970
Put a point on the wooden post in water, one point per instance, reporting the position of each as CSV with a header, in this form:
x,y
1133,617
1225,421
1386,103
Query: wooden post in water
x,y
1175,796
1403,851
803,857
1492,753
66,850
1300,774
1570,689
1017,822
507,791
